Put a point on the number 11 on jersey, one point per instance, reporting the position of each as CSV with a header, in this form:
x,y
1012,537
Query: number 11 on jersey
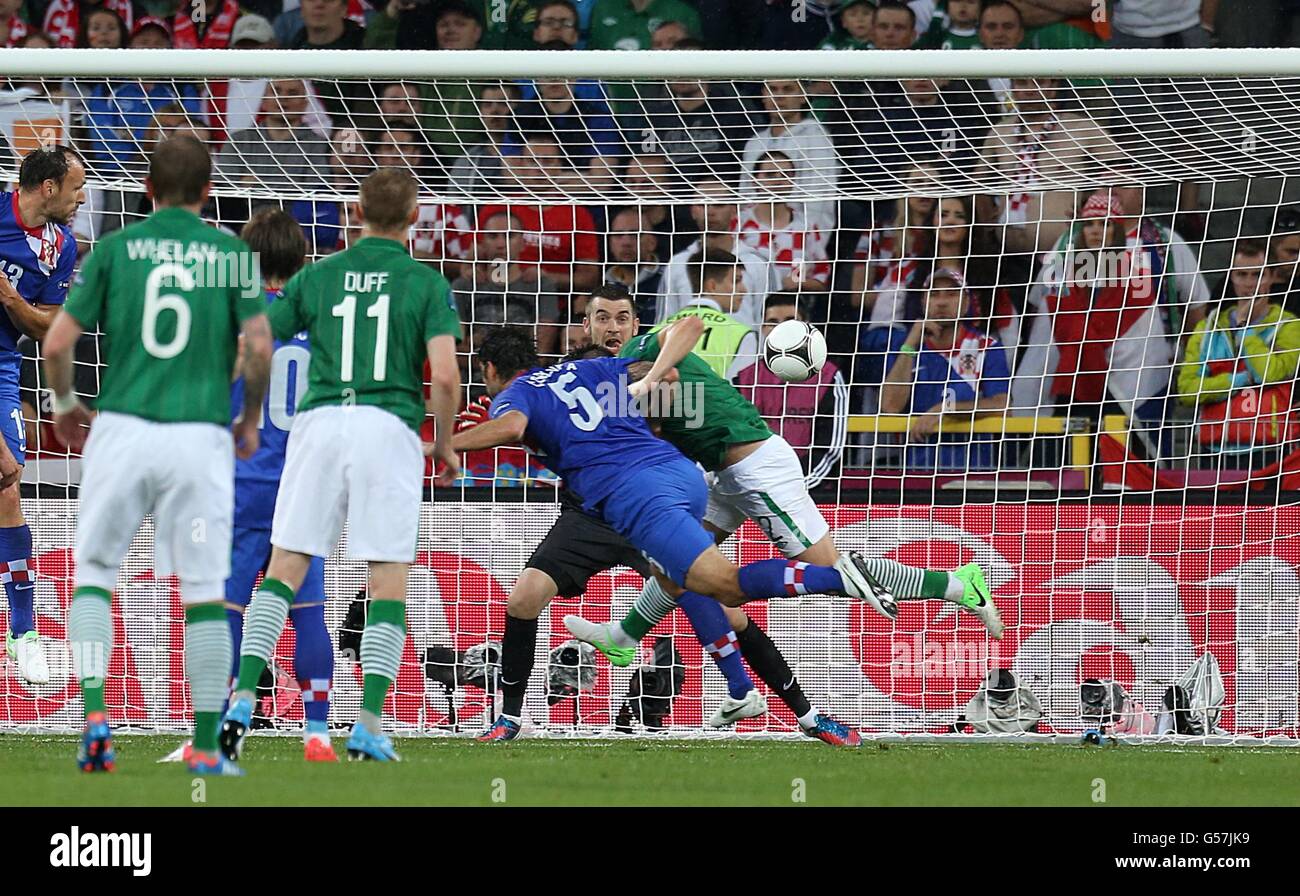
x,y
346,310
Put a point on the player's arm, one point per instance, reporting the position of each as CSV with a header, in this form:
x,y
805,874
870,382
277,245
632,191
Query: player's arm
x,y
255,366
71,419
675,343
508,429
444,397
31,320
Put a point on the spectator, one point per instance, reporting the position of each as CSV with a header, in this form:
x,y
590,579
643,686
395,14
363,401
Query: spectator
x,y
65,20
956,28
152,33
42,88
795,133
887,254
649,176
118,112
1184,295
796,248
232,105
811,416
13,27
501,287
280,151
947,369
288,20
632,262
450,116
1002,27
211,31
1097,341
857,26
1284,245
715,220
669,36
700,127
630,24
924,128
894,27
441,233
583,127
1038,144
1241,364
717,292
561,236
479,171
326,26
557,20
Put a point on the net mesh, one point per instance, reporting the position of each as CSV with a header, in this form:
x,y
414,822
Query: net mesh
x,y
1098,275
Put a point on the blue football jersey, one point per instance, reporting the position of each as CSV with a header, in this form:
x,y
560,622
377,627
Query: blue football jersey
x,y
583,425
38,261
257,480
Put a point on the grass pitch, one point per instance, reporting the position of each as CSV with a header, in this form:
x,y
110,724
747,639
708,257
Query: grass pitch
x,y
39,770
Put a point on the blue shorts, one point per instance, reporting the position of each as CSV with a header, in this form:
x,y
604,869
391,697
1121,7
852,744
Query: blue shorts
x,y
11,419
659,512
250,552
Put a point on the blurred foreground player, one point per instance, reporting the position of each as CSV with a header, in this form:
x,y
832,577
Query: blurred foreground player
x,y
160,291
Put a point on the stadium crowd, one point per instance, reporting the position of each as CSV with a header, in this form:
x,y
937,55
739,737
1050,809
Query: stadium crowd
x,y
937,308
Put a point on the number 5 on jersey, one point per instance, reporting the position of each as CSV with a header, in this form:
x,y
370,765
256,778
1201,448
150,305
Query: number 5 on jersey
x,y
346,310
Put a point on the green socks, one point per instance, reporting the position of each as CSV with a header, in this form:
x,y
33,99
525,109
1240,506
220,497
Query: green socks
x,y
381,654
207,666
90,636
263,622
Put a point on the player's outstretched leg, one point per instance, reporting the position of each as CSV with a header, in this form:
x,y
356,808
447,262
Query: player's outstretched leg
x,y
263,622
381,655
16,571
207,666
965,587
90,636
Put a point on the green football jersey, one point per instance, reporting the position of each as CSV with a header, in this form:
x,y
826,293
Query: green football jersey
x,y
369,312
169,294
711,415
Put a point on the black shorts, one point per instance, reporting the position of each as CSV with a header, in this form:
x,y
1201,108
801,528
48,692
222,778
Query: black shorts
x,y
579,546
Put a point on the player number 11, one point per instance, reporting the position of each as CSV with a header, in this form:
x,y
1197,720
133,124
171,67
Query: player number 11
x,y
346,309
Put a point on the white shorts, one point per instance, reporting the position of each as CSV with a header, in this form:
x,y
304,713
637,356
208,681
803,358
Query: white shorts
x,y
768,488
358,464
182,473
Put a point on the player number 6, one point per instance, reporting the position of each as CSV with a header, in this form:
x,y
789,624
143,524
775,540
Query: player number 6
x,y
156,302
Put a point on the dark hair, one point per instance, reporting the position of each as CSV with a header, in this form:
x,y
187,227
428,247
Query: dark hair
x,y
556,44
83,29
613,292
709,265
690,43
51,163
586,353
510,349
1254,246
509,88
278,241
388,196
897,5
778,299
179,168
1001,4
460,7
539,5
1286,220
411,129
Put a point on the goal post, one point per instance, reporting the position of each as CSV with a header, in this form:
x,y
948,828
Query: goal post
x,y
1059,290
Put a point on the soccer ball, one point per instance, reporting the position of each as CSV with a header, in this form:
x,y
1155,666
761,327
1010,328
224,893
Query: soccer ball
x,y
794,351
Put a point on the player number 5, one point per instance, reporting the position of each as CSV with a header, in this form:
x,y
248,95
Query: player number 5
x,y
156,302
578,399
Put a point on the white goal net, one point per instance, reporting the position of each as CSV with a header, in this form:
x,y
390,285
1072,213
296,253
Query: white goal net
x,y
1059,292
